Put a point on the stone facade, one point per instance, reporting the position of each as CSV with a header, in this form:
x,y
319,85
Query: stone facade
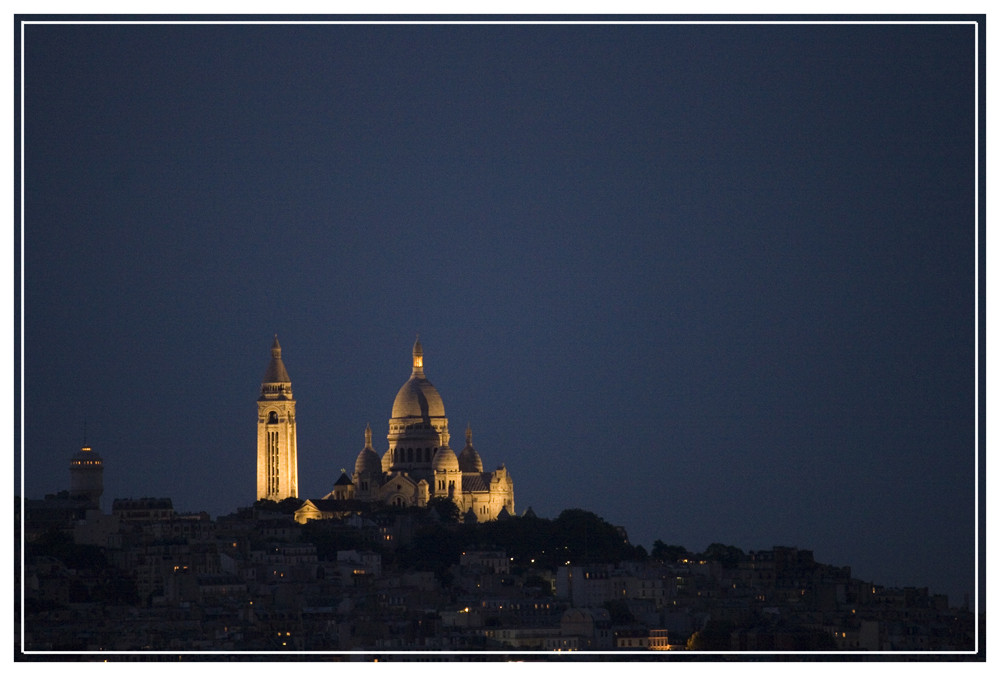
x,y
277,450
418,466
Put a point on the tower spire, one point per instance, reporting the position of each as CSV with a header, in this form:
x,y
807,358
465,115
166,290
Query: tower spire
x,y
368,435
276,372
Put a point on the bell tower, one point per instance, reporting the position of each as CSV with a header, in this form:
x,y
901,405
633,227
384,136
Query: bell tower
x,y
277,453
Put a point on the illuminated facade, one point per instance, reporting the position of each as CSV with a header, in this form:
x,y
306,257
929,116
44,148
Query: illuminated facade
x,y
277,451
419,464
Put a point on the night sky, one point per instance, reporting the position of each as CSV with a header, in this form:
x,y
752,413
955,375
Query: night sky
x,y
715,283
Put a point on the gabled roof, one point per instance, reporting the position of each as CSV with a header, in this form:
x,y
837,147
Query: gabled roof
x,y
473,482
332,505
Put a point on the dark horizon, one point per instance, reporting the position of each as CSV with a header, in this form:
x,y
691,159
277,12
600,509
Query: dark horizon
x,y
714,283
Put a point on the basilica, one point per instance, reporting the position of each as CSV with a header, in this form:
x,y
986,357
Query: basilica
x,y
418,466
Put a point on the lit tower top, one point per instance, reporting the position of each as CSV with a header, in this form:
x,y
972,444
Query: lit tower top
x,y
86,476
276,383
418,359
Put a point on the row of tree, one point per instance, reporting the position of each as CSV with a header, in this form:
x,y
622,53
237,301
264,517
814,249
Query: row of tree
x,y
576,536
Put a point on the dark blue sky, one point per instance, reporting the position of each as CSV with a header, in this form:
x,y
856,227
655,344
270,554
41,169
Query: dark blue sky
x,y
713,282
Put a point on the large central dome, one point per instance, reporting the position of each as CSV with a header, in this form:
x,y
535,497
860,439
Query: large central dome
x,y
417,427
417,398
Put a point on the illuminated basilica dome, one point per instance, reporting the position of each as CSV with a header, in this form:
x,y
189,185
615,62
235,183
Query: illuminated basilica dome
x,y
417,398
418,426
419,466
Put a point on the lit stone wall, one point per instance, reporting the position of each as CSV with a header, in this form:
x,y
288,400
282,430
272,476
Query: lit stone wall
x,y
277,452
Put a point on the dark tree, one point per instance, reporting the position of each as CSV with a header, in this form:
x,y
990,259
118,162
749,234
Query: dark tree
x,y
669,553
436,548
727,555
714,636
286,506
587,538
446,509
289,505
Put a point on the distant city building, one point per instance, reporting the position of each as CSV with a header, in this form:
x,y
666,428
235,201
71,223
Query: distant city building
x,y
418,466
86,476
143,509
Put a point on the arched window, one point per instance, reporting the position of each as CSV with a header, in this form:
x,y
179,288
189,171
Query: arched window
x,y
272,418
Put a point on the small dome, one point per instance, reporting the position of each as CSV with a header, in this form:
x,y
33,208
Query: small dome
x,y
445,460
368,460
469,460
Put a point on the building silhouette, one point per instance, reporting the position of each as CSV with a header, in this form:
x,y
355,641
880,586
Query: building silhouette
x,y
86,476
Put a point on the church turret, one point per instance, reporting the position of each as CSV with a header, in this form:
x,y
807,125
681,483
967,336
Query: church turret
x,y
277,452
367,469
468,459
447,475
